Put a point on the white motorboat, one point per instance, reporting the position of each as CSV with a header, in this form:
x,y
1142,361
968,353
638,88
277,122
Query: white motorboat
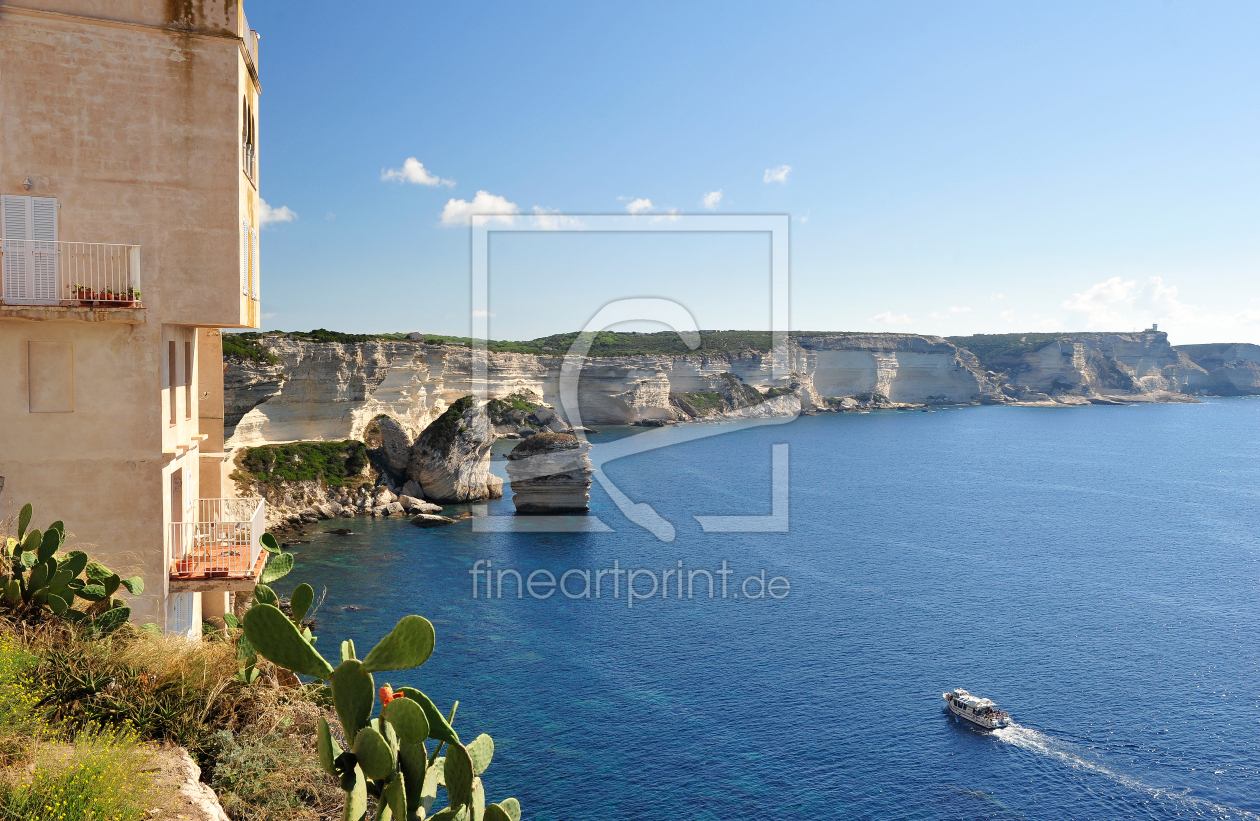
x,y
982,712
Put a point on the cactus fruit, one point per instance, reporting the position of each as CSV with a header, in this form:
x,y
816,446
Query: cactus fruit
x,y
35,578
388,757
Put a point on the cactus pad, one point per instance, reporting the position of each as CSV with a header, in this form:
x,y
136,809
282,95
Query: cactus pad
x,y
278,640
408,645
373,753
352,695
408,720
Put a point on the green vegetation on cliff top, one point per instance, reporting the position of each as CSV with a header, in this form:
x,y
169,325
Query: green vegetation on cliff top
x,y
605,343
441,433
335,463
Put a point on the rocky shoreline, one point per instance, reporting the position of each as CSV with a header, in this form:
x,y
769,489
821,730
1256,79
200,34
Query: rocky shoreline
x,y
429,442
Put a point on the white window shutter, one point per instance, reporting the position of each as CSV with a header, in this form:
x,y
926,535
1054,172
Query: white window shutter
x,y
244,257
15,227
254,272
44,219
44,251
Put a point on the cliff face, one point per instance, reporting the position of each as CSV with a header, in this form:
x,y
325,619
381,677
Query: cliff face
x,y
324,390
333,391
1231,370
902,367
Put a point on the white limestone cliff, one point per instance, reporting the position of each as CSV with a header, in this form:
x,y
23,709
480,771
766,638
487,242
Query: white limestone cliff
x,y
324,391
329,391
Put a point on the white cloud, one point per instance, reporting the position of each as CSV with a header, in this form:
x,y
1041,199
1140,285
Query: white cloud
x,y
413,171
482,314
267,215
330,217
550,219
804,218
639,206
1119,304
712,199
779,174
457,212
889,318
1124,305
996,297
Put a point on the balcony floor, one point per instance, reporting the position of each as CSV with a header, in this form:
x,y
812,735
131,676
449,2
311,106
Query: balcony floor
x,y
208,572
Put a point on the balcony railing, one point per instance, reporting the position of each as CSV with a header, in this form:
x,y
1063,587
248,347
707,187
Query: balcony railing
x,y
75,274
224,543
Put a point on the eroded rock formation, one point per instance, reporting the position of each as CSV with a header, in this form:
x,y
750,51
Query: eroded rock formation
x,y
550,473
451,459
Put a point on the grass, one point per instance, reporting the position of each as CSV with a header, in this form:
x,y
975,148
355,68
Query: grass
x,y
255,743
99,778
335,463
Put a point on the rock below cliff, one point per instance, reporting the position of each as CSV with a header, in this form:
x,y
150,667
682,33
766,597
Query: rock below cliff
x,y
451,459
551,473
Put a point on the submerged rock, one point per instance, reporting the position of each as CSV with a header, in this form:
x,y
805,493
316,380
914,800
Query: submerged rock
x,y
551,473
451,458
431,520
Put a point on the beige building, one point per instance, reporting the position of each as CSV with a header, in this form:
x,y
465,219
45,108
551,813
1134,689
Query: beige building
x,y
129,215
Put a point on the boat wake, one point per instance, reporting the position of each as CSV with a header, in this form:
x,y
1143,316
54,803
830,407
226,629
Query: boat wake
x,y
1037,742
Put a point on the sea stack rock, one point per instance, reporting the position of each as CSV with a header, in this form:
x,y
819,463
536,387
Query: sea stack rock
x,y
550,473
451,458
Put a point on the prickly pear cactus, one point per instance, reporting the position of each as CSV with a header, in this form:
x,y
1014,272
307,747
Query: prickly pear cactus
x,y
389,757
36,578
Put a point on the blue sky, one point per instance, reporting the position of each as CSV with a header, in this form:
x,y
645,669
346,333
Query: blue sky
x,y
949,168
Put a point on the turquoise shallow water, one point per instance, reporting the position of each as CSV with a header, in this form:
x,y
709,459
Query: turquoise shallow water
x,y
1094,570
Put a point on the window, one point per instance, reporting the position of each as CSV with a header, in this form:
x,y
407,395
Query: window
x,y
171,377
28,229
188,374
249,160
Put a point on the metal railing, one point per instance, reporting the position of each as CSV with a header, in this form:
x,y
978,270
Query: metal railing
x,y
226,542
91,274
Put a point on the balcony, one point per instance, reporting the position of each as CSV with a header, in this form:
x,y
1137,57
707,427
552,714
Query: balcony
x,y
98,277
222,550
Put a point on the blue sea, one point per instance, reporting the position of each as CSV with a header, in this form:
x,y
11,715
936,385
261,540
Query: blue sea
x,y
1094,570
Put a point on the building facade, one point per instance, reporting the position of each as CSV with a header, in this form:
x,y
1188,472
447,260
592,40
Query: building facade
x,y
129,213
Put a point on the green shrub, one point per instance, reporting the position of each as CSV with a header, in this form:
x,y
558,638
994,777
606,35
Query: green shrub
x,y
706,402
334,463
269,775
498,409
440,435
247,346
